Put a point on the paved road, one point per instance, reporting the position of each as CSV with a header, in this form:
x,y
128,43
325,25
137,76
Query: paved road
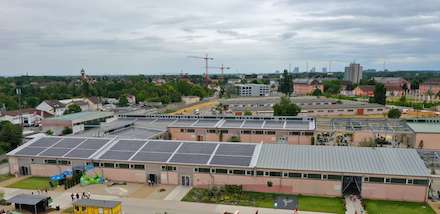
x,y
136,206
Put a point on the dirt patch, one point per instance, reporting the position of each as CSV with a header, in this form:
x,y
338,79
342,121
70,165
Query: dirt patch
x,y
161,192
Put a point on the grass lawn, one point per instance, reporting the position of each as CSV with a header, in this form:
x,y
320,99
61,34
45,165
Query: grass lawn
x,y
68,211
266,200
5,177
382,207
32,183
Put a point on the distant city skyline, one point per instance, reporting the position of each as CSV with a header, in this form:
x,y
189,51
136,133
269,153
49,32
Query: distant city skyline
x,y
114,37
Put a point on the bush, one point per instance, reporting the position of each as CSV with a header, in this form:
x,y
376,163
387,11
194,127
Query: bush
x,y
67,130
235,139
269,184
394,113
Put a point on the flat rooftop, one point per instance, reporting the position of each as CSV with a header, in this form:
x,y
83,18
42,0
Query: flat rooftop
x,y
268,100
300,124
371,125
82,116
427,127
380,161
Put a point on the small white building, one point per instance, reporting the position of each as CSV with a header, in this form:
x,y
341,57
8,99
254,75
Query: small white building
x,y
29,117
53,107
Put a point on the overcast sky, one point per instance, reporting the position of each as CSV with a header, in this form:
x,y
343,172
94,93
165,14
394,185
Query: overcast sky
x,y
50,37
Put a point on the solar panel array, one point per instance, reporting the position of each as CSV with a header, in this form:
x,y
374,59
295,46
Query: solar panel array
x,y
241,123
159,151
233,155
59,147
180,152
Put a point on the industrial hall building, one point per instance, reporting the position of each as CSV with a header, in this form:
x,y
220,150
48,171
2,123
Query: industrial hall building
x,y
374,173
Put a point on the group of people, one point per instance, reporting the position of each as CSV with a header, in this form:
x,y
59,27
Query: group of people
x,y
77,196
39,192
151,183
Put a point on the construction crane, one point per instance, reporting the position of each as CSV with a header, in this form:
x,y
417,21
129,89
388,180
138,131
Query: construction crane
x,y
222,68
206,58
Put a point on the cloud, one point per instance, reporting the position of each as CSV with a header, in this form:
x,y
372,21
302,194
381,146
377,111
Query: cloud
x,y
113,36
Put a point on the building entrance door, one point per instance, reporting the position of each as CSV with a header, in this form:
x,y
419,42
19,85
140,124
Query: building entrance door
x,y
152,178
24,170
351,185
186,180
199,138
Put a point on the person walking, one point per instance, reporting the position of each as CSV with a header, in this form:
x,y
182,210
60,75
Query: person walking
x,y
72,196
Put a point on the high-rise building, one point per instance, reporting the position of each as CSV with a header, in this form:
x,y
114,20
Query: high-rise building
x,y
296,70
353,73
324,70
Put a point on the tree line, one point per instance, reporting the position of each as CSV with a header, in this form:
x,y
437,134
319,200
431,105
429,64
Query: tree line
x,y
36,89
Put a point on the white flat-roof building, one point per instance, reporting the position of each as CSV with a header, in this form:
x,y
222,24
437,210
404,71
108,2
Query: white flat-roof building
x,y
253,90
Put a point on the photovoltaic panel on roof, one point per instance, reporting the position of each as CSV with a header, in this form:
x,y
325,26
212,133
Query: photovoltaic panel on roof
x,y
197,148
274,124
69,142
232,124
93,143
55,152
190,158
184,122
46,141
236,149
161,146
80,153
206,123
297,124
151,156
252,124
128,145
231,160
30,151
117,155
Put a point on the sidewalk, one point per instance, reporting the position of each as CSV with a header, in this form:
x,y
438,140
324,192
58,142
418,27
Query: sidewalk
x,y
149,206
178,193
353,206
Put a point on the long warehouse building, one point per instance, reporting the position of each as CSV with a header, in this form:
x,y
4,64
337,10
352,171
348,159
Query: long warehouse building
x,y
374,173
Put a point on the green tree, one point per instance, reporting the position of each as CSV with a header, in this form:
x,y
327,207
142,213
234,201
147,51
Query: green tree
x,y
394,113
332,86
11,136
286,108
380,94
286,83
123,102
67,130
74,108
317,92
247,112
402,99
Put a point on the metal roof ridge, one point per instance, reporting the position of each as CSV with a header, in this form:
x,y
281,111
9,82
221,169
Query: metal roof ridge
x,y
174,152
139,150
75,147
255,155
106,147
213,154
49,147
